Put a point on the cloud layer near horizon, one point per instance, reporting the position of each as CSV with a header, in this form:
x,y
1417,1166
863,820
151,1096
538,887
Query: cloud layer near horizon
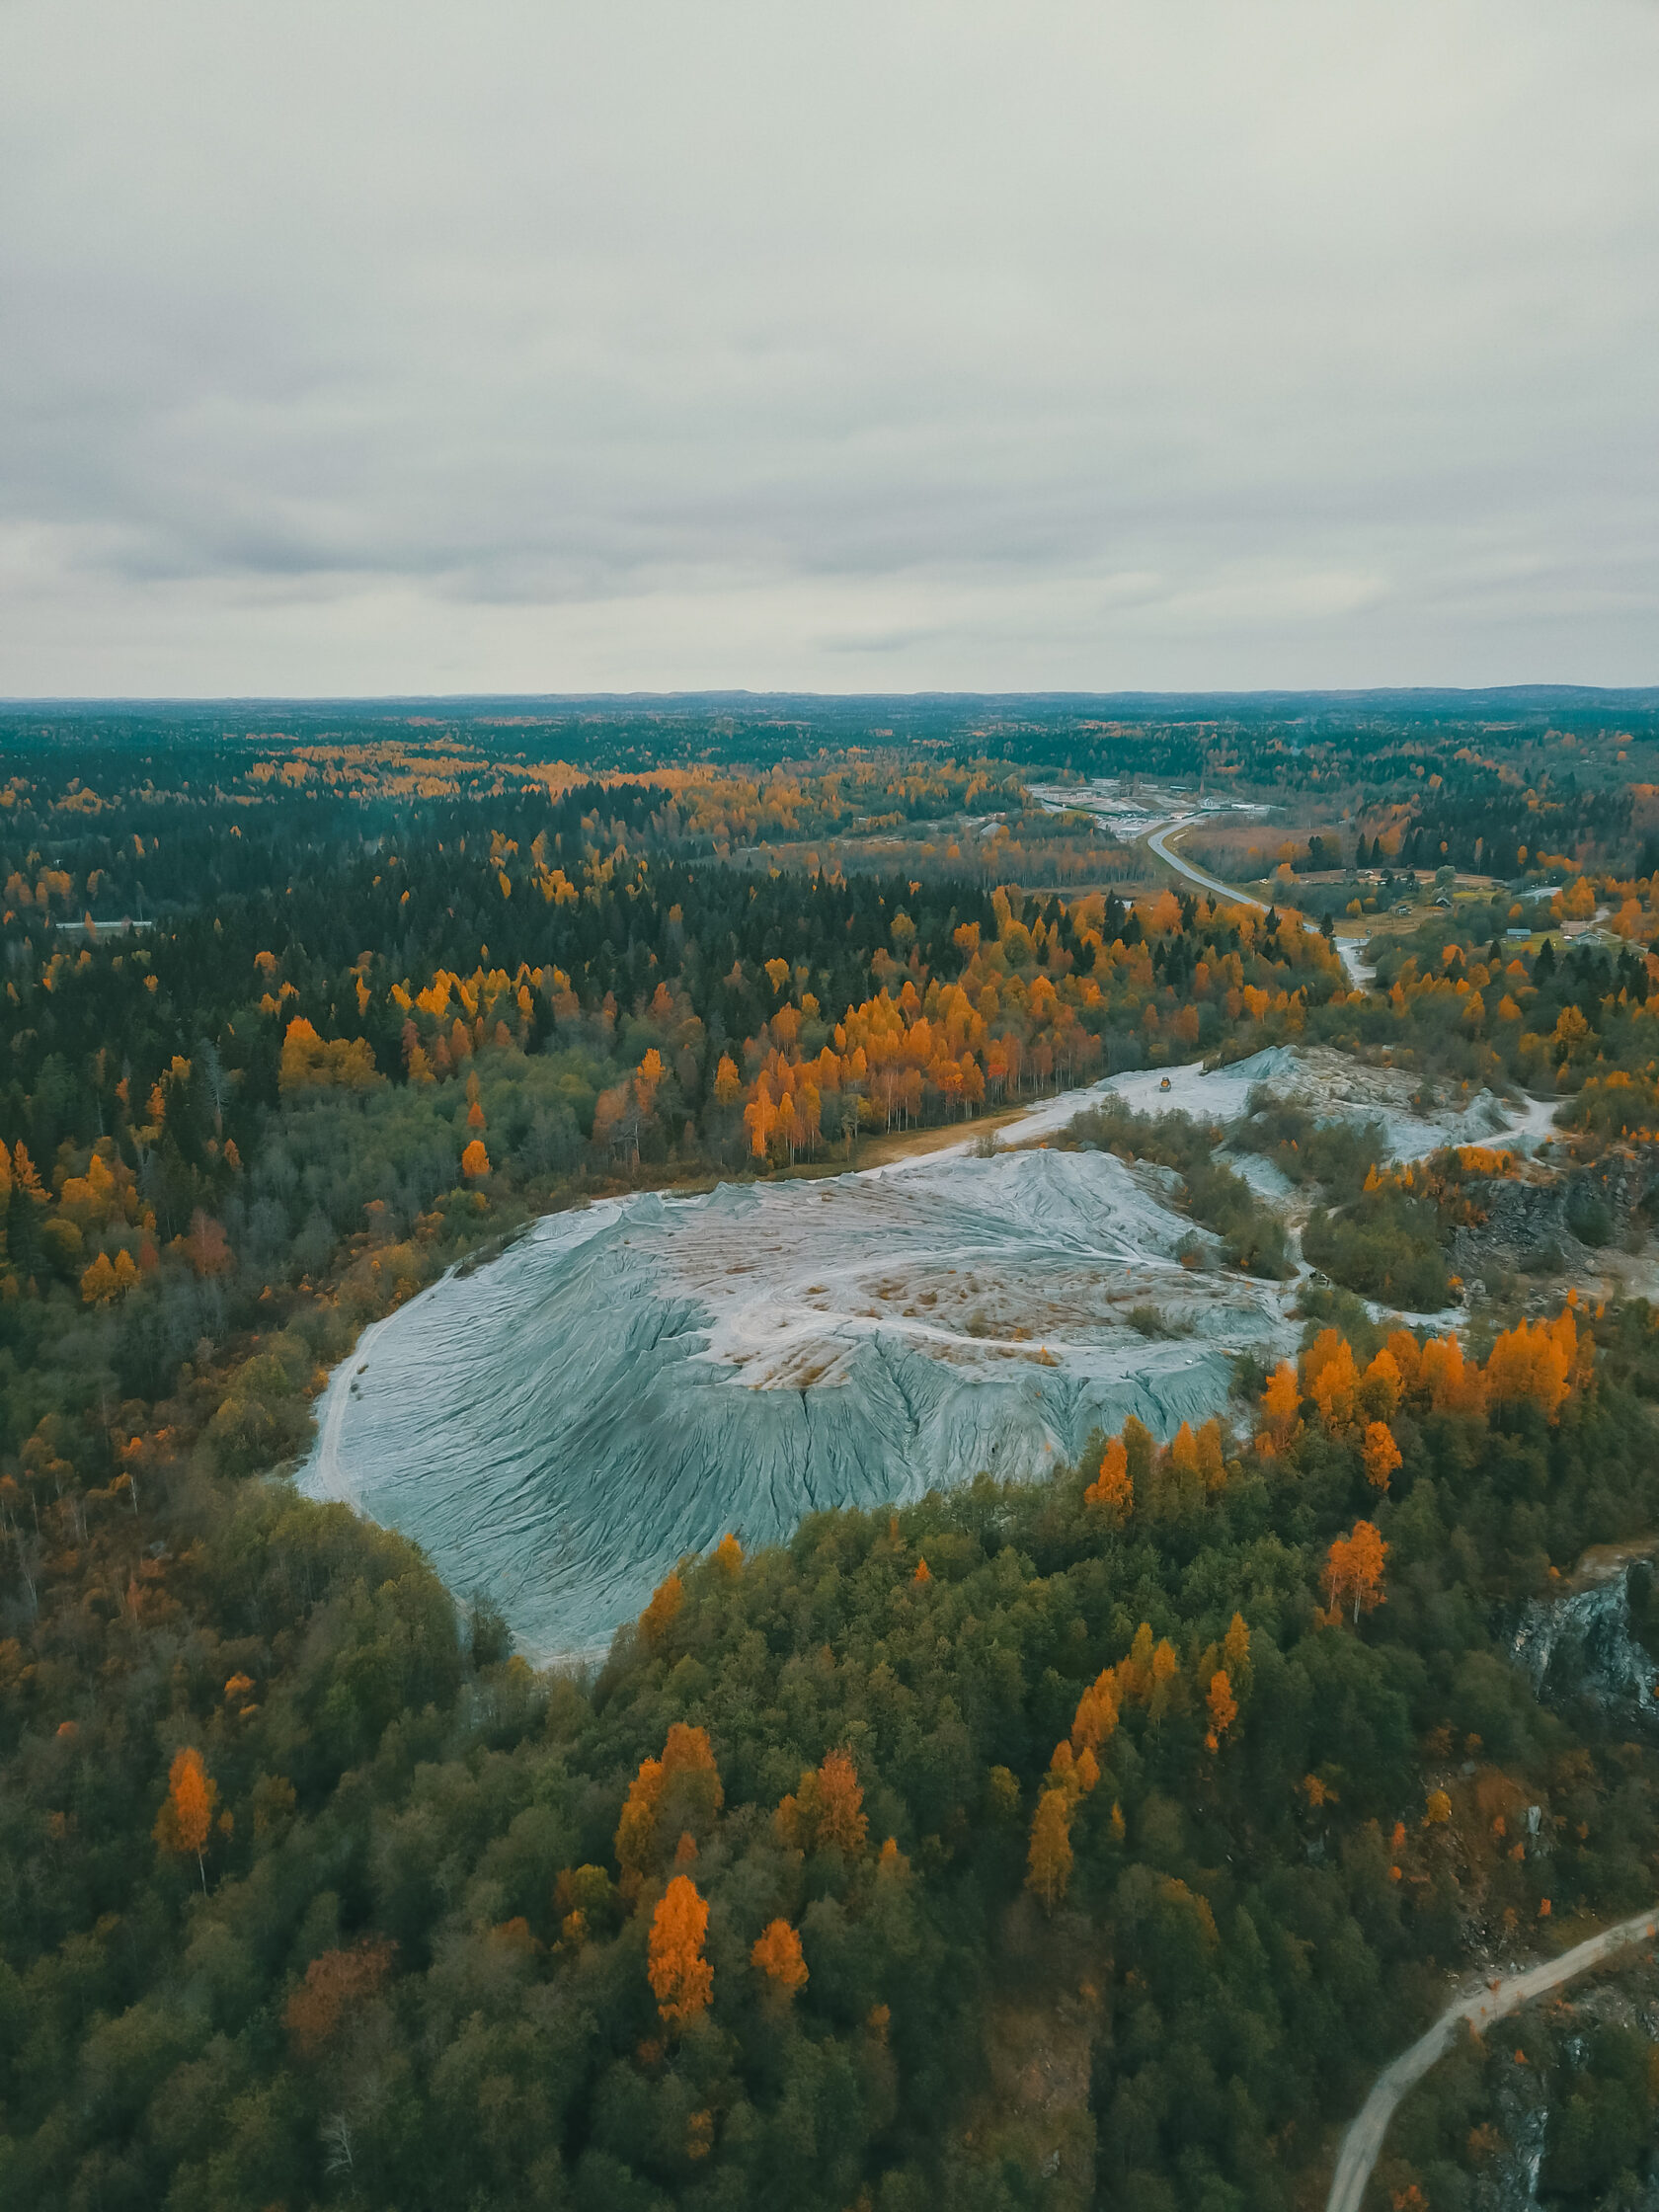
x,y
536,348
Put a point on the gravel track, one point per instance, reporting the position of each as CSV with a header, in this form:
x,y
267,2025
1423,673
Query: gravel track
x,y
1481,2008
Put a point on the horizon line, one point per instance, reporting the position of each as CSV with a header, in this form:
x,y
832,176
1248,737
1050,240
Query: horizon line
x,y
34,702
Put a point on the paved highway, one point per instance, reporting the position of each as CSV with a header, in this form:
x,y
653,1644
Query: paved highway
x,y
1158,844
1347,948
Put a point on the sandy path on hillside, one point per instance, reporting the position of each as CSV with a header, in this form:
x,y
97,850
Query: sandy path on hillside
x,y
1481,2008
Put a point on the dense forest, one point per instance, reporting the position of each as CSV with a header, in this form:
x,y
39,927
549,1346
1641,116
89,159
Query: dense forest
x,y
1101,1835
1178,1779
375,1044
1266,733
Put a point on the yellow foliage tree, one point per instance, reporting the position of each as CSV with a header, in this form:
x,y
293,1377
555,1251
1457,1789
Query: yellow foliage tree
x,y
682,1978
1450,1383
1166,1678
1382,1386
1211,1461
1141,1453
647,1076
1407,1355
1330,1377
687,1768
1134,1670
826,1810
776,1953
1381,1453
1047,1872
310,1063
1532,1363
1096,1717
1221,1705
666,1602
186,1819
1353,1569
1236,1645
1280,1408
1112,1487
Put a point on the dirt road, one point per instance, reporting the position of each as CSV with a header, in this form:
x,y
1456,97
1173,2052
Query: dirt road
x,y
1483,2007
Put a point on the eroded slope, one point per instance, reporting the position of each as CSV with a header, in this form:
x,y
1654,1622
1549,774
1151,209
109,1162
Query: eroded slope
x,y
628,1382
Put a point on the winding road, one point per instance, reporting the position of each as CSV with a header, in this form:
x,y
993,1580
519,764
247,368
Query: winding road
x,y
1359,970
1481,2008
1158,844
1362,2142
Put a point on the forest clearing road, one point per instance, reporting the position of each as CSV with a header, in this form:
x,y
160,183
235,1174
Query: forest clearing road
x,y
1363,2139
1360,973
1157,841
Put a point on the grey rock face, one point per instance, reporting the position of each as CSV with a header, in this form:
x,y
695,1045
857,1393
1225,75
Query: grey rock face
x,y
1521,1218
1585,1647
1510,2183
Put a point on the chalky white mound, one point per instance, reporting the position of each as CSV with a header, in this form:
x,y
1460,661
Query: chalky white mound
x,y
1332,1087
627,1383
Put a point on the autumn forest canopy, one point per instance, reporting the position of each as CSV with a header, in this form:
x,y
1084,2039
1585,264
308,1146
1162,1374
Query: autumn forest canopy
x,y
1179,1782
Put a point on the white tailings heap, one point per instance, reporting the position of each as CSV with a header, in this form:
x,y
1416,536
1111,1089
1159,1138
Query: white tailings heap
x,y
629,1382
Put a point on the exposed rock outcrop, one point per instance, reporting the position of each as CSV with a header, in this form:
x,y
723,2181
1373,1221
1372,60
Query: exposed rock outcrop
x,y
1585,1647
1551,1215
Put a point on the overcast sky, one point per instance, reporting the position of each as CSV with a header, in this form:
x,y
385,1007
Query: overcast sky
x,y
530,346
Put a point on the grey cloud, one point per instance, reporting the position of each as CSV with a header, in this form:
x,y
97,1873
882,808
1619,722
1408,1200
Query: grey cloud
x,y
1096,345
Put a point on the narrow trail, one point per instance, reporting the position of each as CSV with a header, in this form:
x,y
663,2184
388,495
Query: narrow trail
x,y
331,1477
1481,2008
